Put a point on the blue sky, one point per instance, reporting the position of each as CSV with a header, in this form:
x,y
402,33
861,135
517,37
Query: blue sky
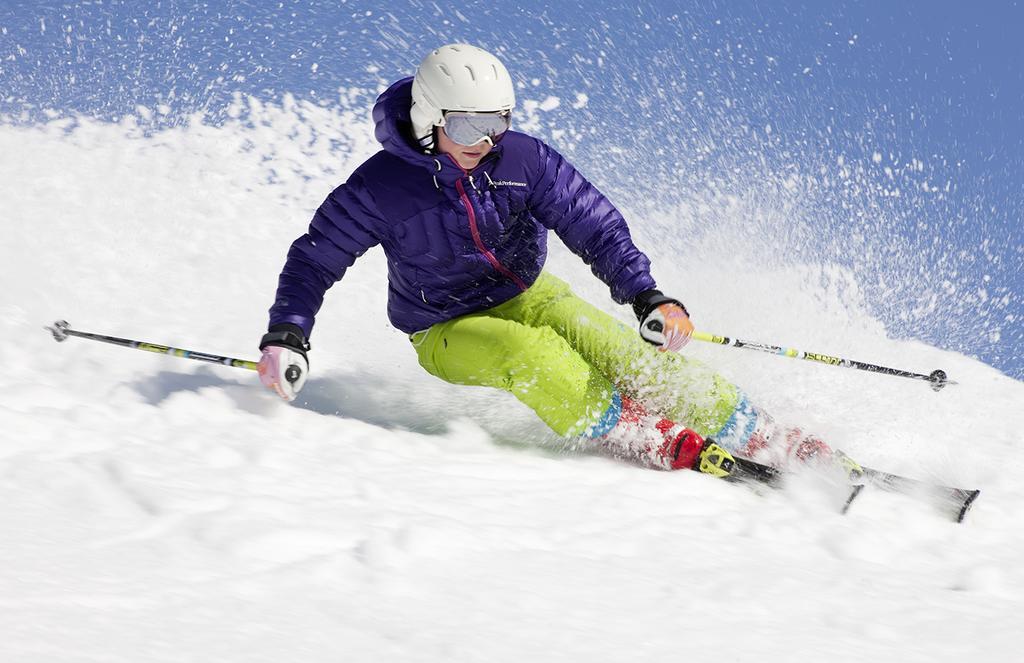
x,y
861,100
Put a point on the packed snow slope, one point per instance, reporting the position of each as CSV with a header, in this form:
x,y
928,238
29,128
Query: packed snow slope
x,y
156,509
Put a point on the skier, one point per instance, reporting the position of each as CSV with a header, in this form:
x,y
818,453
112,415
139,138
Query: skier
x,y
462,206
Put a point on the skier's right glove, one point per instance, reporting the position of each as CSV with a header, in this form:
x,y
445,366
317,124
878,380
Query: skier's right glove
x,y
663,321
283,366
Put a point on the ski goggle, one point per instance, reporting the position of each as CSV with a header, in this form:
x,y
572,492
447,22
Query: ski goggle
x,y
468,128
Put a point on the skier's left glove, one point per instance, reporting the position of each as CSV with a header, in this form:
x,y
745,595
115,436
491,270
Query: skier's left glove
x,y
283,366
663,321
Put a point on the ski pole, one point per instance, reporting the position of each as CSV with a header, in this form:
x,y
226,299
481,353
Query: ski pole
x,y
936,378
61,330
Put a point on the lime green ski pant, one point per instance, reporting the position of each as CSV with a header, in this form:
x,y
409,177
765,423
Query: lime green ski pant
x,y
565,359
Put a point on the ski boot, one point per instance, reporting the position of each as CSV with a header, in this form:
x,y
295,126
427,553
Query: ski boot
x,y
685,449
851,468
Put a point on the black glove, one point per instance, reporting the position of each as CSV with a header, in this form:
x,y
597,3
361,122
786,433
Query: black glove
x,y
664,321
648,300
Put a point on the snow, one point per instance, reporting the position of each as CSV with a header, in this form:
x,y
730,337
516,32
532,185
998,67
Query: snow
x,y
157,509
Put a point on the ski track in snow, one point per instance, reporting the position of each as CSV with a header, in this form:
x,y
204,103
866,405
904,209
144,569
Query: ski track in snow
x,y
156,509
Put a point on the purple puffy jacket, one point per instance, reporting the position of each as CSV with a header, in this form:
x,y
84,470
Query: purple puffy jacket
x,y
456,242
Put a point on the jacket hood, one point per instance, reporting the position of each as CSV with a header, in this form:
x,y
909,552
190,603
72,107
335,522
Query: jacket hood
x,y
393,129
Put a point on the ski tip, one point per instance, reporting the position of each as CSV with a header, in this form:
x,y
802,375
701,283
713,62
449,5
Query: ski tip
x,y
971,496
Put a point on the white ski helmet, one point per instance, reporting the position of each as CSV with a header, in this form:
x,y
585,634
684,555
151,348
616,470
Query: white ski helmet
x,y
457,77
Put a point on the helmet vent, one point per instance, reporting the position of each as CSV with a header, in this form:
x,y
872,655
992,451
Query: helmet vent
x,y
444,70
472,75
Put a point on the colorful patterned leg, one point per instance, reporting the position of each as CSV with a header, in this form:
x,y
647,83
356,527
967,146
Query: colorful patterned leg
x,y
753,433
648,440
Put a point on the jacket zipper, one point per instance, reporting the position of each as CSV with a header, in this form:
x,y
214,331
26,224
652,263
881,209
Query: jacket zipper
x,y
491,258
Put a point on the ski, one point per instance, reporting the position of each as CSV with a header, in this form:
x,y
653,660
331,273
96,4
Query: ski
x,y
749,471
854,492
955,502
